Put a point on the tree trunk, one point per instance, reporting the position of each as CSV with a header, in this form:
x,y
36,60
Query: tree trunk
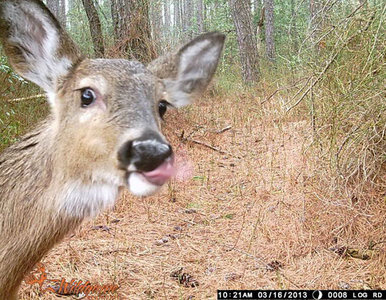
x,y
257,11
259,29
269,30
200,16
95,27
177,16
62,13
58,8
188,15
167,18
156,21
182,16
241,15
132,29
139,35
53,6
114,5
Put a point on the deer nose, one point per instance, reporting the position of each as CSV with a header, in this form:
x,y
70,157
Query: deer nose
x,y
146,153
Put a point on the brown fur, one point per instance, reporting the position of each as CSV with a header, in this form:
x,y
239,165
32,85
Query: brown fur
x,y
29,227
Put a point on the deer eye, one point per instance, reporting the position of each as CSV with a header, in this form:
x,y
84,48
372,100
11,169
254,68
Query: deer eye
x,y
88,96
162,107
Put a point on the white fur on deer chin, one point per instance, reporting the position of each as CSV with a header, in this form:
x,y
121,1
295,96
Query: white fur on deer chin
x,y
81,200
87,200
139,186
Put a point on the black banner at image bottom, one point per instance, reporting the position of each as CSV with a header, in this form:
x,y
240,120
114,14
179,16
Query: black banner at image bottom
x,y
300,294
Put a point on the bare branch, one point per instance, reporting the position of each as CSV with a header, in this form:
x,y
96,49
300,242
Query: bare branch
x,y
26,98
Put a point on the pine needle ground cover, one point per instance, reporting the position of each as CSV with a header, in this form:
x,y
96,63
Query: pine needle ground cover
x,y
250,216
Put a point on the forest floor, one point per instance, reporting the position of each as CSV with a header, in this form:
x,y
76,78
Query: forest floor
x,y
252,214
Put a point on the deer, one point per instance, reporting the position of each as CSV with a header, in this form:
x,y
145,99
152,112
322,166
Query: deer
x,y
102,135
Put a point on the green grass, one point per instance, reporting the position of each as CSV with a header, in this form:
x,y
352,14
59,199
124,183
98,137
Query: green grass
x,y
17,117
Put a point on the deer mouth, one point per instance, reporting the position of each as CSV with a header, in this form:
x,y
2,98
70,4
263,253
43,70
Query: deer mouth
x,y
160,175
146,183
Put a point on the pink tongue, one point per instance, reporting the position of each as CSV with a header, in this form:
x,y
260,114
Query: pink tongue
x,y
161,174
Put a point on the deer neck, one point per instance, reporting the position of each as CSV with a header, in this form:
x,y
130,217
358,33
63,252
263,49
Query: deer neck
x,y
30,224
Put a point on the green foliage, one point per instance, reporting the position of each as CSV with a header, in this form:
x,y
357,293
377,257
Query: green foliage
x,y
78,27
16,117
219,19
9,76
349,106
104,11
290,30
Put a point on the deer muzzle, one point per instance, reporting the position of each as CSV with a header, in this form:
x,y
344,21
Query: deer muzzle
x,y
149,156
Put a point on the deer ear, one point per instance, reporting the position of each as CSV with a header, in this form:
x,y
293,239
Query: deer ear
x,y
187,73
35,44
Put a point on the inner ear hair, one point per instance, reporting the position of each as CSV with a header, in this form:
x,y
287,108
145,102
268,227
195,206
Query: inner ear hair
x,y
187,73
34,42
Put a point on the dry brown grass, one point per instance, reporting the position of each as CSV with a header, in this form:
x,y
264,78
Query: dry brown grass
x,y
257,217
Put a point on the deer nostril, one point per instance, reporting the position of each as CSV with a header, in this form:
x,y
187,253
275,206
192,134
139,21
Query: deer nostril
x,y
145,154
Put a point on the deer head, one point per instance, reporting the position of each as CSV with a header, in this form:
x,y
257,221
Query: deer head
x,y
104,129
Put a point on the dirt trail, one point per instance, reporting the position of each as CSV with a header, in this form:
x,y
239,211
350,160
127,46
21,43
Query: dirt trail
x,y
245,220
